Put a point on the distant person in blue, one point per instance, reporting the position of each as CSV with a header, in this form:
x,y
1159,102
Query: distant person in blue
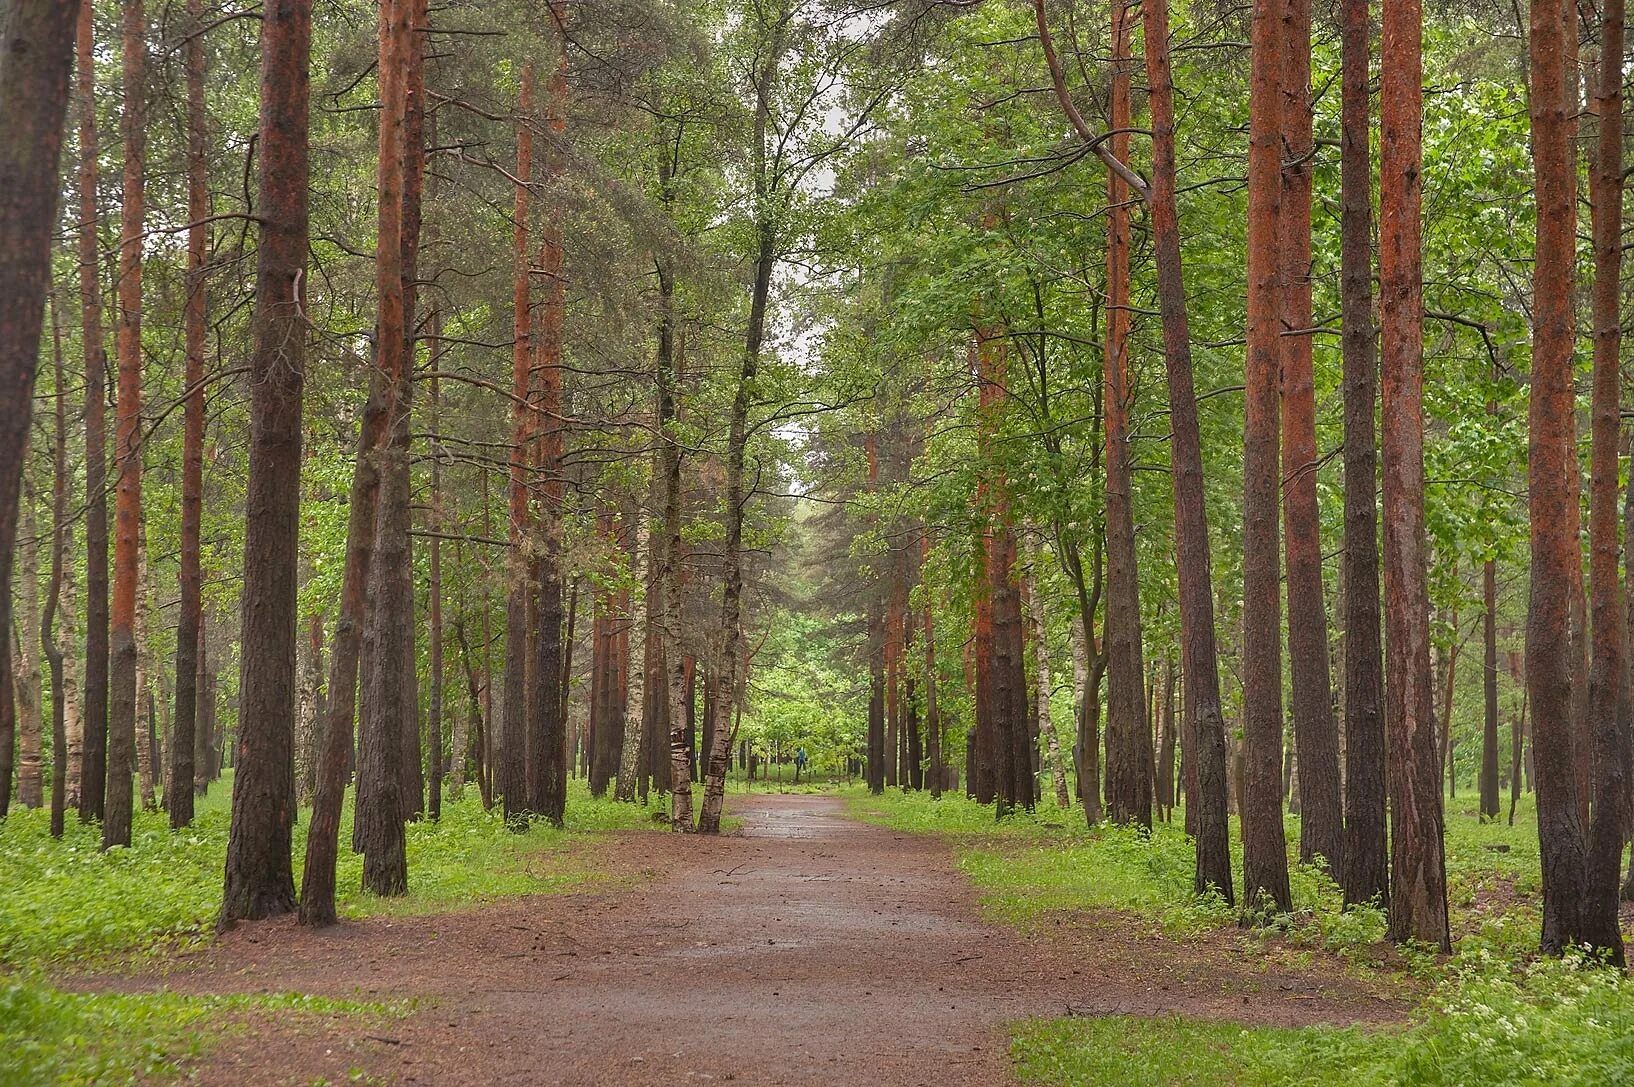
x,y
799,763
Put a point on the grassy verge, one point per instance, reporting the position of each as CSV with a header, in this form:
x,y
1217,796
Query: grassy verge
x,y
51,1038
69,903
1034,864
1494,1016
1555,1023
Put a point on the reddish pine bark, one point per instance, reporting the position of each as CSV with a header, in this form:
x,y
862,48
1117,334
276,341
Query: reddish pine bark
x,y
1365,873
1206,799
1608,704
380,798
512,769
1418,881
547,706
1552,491
1265,858
1316,737
122,693
179,792
258,878
1128,748
94,744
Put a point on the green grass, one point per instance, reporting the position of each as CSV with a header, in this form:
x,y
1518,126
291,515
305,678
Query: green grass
x,y
52,1038
1033,864
69,903
1556,1023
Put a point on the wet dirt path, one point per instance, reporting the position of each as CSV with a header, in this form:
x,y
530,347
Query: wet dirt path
x,y
805,949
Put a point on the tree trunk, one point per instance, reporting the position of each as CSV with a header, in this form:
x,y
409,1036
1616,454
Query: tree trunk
x,y
1265,857
123,689
335,744
94,741
308,711
1448,687
933,713
26,663
1128,744
677,673
1608,703
1193,558
709,815
1365,873
434,606
179,797
1316,734
1418,881
34,69
636,664
1044,684
259,882
1552,491
381,805
61,760
1489,729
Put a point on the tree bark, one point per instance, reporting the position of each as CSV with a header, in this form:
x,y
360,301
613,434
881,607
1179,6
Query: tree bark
x,y
636,664
1265,857
1608,703
34,69
26,664
94,730
1418,881
512,734
1316,734
1365,873
61,760
122,684
709,815
1489,677
335,744
1552,492
1129,769
259,882
381,803
1043,685
1193,558
179,796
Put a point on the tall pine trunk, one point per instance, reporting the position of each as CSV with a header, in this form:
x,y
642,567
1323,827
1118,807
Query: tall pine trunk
x,y
1265,856
1418,880
1608,704
1128,747
94,730
123,693
381,804
511,771
259,882
34,69
1365,873
179,796
1316,736
1552,487
61,759
1193,558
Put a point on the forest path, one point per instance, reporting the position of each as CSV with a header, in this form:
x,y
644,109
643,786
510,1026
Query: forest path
x,y
806,948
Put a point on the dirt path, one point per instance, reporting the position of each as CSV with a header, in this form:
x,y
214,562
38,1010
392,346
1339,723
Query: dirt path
x,y
806,949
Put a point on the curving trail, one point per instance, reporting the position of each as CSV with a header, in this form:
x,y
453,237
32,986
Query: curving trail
x,y
806,949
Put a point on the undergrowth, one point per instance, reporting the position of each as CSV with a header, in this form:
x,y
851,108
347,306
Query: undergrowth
x,y
53,1038
69,902
1552,1024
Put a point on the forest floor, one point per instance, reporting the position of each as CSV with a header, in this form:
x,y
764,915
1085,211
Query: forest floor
x,y
805,947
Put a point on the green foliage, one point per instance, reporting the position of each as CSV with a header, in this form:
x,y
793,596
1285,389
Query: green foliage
x,y
1557,1023
53,1038
69,902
